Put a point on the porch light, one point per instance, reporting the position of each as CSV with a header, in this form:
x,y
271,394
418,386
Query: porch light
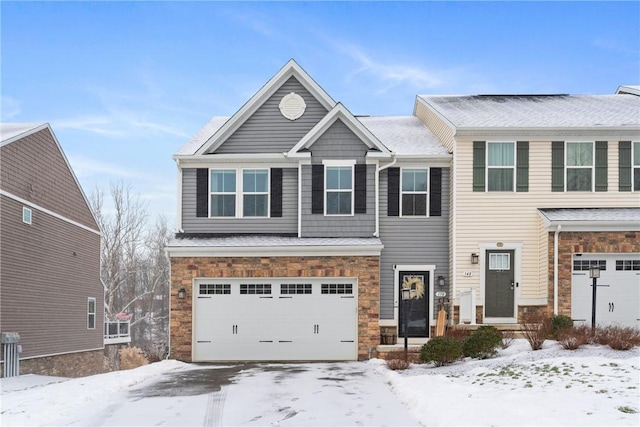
x,y
182,293
594,273
475,258
441,281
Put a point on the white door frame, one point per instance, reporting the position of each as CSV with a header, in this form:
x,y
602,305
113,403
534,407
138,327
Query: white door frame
x,y
517,274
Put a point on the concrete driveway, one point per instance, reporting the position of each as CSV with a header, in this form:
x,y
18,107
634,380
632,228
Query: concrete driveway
x,y
315,394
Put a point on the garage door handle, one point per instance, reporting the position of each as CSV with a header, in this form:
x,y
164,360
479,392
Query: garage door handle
x,y
316,329
203,341
234,329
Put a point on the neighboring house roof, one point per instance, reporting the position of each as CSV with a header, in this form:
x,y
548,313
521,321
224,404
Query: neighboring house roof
x,y
276,245
405,136
537,111
630,90
290,69
10,132
592,218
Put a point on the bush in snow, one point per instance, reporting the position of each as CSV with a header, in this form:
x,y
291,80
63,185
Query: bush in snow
x,y
618,337
132,357
574,337
396,360
536,328
482,343
441,350
559,323
507,338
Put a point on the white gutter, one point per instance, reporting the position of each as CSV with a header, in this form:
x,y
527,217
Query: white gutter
x,y
376,233
300,199
555,270
179,199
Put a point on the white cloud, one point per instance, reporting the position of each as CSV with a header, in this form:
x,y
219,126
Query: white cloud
x,y
10,108
86,167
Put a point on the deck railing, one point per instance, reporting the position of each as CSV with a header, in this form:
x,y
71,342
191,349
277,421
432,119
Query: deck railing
x,y
117,331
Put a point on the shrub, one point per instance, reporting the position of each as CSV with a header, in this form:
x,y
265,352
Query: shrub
x,y
412,356
132,357
397,364
558,323
618,337
441,350
536,328
507,338
574,337
482,343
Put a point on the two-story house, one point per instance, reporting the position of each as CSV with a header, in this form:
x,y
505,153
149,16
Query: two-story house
x,y
543,188
51,294
299,223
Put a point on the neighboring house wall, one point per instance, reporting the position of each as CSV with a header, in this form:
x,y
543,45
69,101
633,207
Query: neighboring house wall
x,y
412,240
267,131
287,224
50,267
436,124
512,217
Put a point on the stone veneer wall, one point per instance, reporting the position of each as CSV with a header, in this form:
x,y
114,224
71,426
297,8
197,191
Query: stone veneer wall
x,y
570,243
185,270
67,365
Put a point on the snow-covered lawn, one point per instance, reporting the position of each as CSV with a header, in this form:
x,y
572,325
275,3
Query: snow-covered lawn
x,y
591,386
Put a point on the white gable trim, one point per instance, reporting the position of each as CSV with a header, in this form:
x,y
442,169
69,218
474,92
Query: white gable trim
x,y
339,112
291,69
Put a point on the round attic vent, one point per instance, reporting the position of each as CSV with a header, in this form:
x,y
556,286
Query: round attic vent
x,y
292,106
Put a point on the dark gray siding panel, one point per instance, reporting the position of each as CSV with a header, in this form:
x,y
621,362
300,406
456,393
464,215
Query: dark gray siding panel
x,y
47,271
286,224
411,241
338,142
267,131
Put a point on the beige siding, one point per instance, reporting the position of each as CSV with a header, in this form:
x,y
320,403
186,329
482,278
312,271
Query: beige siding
x,y
436,124
491,217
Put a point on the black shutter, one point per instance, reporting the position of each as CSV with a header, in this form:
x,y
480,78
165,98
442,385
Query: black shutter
x,y
276,193
624,166
522,166
479,165
557,166
601,165
393,192
435,192
317,189
360,188
202,193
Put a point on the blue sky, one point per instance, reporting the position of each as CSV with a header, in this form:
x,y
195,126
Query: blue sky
x,y
125,84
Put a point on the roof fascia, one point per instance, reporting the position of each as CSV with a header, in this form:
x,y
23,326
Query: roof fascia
x,y
290,69
259,251
26,133
340,112
608,133
593,226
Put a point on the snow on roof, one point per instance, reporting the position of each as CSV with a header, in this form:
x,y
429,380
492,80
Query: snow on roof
x,y
269,241
12,130
202,136
404,135
593,214
538,111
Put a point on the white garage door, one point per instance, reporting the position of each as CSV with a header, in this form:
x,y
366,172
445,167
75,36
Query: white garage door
x,y
275,319
617,293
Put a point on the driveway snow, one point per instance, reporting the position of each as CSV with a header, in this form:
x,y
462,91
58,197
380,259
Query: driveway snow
x,y
591,386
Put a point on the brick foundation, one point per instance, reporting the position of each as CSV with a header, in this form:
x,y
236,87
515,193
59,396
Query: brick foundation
x,y
365,268
570,243
67,365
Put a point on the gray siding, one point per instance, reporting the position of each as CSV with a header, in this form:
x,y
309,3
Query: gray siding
x,y
338,143
287,224
267,131
412,241
47,271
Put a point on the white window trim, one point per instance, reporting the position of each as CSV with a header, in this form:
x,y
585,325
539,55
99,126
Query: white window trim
x,y
89,313
487,167
426,193
339,163
592,167
240,203
634,166
27,212
239,192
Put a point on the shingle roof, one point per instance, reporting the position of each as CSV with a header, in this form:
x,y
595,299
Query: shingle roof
x,y
404,135
270,241
538,111
202,136
593,214
12,130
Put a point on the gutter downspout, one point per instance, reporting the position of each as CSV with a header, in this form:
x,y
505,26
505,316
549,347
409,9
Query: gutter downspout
x,y
555,270
376,233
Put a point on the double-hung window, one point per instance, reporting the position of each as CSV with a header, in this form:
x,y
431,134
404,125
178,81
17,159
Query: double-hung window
x,y
255,192
223,193
579,166
414,192
339,190
500,166
636,166
91,313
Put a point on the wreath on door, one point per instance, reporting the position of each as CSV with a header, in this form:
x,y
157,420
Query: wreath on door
x,y
415,284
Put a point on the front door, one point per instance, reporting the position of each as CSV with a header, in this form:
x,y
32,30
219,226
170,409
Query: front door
x,y
499,283
417,308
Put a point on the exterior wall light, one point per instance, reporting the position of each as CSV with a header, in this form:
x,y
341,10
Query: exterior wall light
x,y
182,293
475,258
441,281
